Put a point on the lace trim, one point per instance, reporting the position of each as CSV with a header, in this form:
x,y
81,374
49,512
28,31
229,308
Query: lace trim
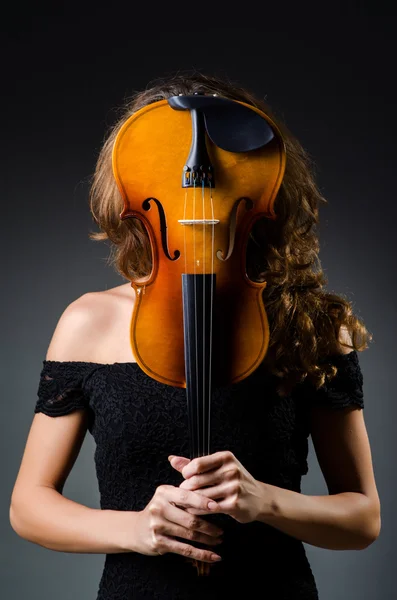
x,y
60,393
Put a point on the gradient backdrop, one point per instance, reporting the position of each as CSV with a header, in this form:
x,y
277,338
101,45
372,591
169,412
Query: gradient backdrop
x,y
64,75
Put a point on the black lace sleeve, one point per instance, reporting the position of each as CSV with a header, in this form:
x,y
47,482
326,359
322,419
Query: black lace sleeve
x,y
346,388
61,387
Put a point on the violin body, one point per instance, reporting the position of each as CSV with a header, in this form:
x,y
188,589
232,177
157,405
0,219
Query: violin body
x,y
148,159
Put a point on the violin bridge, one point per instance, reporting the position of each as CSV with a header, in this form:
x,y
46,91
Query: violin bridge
x,y
198,221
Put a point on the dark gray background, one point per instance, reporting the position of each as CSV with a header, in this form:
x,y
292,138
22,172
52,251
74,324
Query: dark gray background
x,y
333,85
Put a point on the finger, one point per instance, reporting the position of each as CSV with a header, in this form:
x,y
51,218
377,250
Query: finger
x,y
227,505
192,535
190,551
187,521
223,490
195,511
205,480
187,498
206,463
178,462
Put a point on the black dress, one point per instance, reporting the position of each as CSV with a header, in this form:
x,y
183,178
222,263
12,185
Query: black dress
x,y
138,422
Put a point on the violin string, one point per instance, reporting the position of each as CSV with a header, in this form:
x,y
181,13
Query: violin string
x,y
184,229
195,302
211,305
203,400
187,295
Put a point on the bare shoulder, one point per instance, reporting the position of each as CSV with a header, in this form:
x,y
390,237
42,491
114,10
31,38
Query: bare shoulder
x,y
87,322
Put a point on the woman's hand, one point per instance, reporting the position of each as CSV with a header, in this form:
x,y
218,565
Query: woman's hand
x,y
222,477
163,519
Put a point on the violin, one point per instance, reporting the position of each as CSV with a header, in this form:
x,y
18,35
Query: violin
x,y
198,171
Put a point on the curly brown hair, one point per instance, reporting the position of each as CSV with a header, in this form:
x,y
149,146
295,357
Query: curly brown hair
x,y
308,325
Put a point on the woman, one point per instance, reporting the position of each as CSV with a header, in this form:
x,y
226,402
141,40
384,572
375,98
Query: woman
x,y
153,499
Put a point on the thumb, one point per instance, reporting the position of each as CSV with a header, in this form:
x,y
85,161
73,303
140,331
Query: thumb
x,y
178,462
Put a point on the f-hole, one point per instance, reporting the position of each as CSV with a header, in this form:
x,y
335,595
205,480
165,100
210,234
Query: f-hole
x,y
232,228
163,227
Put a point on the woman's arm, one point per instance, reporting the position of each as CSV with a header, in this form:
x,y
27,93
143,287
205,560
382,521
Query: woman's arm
x,y
38,510
349,517
40,513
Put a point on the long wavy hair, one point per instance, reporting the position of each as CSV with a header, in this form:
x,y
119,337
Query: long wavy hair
x,y
308,325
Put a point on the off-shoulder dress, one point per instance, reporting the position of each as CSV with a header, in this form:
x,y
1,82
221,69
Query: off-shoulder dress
x,y
137,422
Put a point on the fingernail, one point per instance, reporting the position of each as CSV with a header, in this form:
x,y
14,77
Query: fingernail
x,y
212,505
171,457
215,557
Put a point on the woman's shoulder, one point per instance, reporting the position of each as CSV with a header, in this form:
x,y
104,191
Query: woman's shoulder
x,y
87,323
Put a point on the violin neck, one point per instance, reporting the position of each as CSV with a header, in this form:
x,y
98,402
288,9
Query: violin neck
x,y
198,292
